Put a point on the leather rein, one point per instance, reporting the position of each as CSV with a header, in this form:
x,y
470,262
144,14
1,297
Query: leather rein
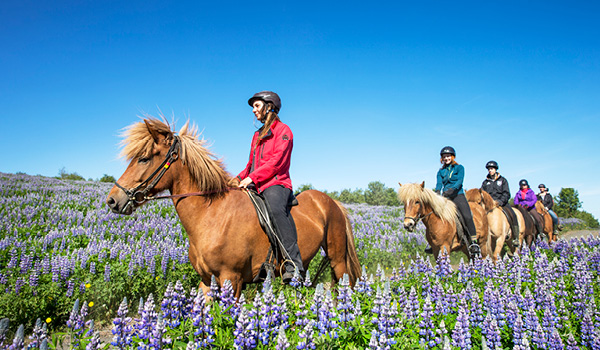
x,y
139,194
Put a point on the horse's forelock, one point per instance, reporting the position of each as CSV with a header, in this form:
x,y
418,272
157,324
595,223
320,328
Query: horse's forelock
x,y
441,206
137,139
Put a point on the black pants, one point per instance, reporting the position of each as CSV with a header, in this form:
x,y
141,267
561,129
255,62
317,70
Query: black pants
x,y
277,198
463,206
514,224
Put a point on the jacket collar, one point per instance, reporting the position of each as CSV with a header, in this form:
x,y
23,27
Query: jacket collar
x,y
270,132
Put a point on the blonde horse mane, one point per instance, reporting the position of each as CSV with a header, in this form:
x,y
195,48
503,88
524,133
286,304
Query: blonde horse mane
x,y
441,206
206,171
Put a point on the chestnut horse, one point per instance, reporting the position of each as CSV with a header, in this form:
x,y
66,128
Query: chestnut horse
x,y
500,230
548,224
225,237
440,216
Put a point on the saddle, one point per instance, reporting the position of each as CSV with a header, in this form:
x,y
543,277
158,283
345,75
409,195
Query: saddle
x,y
511,224
265,218
460,228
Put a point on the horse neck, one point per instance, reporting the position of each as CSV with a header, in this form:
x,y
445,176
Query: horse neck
x,y
434,224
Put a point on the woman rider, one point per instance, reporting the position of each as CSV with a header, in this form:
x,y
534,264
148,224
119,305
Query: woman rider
x,y
268,171
450,184
527,198
497,187
548,202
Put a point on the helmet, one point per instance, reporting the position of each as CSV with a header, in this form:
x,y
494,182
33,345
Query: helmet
x,y
267,96
523,182
542,186
448,150
491,164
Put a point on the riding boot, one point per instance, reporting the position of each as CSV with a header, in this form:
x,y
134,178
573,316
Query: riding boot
x,y
474,248
428,250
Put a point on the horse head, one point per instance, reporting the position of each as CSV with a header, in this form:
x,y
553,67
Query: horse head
x,y
152,149
414,206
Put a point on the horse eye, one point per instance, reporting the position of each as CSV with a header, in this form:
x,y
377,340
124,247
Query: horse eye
x,y
143,160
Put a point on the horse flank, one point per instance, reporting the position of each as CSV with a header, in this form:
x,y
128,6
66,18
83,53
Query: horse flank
x,y
441,206
207,172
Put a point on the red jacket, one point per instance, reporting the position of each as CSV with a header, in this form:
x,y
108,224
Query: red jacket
x,y
270,160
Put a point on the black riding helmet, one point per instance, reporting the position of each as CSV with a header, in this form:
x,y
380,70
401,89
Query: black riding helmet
x,y
523,182
448,150
542,186
491,164
267,96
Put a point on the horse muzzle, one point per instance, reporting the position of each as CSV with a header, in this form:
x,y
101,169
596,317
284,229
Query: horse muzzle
x,y
120,204
409,224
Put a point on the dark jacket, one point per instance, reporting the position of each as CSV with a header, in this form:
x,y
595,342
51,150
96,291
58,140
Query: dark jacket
x,y
450,180
547,200
498,189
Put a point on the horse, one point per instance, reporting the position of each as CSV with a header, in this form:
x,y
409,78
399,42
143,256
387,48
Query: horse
x,y
499,226
548,223
440,216
528,234
225,238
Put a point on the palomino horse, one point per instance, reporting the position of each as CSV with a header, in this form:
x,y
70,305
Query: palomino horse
x,y
548,224
439,216
225,237
498,223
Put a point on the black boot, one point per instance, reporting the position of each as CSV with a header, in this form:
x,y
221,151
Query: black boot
x,y
428,250
515,236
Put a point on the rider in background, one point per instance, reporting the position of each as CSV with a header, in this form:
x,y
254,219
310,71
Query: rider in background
x,y
450,184
497,187
268,171
548,203
527,198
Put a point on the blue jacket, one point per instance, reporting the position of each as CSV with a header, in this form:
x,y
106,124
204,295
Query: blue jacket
x,y
450,180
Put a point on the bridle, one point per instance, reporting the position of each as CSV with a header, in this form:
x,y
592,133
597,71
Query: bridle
x,y
139,194
418,217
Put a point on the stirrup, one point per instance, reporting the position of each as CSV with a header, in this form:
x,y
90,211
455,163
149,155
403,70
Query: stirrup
x,y
475,249
516,243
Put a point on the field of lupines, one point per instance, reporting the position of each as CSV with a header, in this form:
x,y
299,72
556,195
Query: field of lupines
x,y
69,268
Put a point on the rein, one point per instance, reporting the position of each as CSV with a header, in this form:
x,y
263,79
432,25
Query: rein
x,y
138,195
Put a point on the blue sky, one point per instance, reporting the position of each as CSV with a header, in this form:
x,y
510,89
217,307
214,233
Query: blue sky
x,y
372,91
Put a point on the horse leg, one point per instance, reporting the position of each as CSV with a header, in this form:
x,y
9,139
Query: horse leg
x,y
235,279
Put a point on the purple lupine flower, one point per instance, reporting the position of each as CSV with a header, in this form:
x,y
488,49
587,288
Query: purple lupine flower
x,y
441,336
587,329
107,273
413,306
70,288
19,339
40,332
122,327
518,330
345,306
385,318
93,268
363,285
245,334
282,340
266,319
214,288
571,343
461,336
157,338
426,329
443,268
491,331
145,325
539,337
227,297
307,282
307,336
554,341
302,312
202,320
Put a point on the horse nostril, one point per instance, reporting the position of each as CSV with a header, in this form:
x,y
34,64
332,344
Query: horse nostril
x,y
110,201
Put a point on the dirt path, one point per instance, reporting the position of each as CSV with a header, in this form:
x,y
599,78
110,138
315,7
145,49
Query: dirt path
x,y
579,234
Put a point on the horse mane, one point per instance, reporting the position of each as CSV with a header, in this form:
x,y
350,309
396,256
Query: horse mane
x,y
441,206
206,171
481,197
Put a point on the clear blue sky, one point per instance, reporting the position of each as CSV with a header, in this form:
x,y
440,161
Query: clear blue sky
x,y
371,90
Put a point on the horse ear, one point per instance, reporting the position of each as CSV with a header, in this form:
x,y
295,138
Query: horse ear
x,y
152,131
423,184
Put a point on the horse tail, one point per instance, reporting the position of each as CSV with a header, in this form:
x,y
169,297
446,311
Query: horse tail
x,y
352,263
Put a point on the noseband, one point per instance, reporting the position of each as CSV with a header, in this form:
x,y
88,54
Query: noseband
x,y
139,194
418,217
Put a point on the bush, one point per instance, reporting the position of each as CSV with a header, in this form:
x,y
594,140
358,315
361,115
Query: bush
x,y
107,178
